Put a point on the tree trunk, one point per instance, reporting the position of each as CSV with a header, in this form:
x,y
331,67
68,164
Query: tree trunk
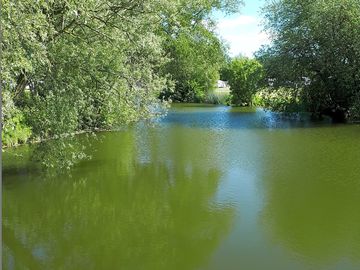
x,y
20,84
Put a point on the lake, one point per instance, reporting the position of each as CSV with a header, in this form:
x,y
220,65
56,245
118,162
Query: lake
x,y
206,187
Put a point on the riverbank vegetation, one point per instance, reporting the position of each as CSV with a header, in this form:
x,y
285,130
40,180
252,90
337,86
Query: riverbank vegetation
x,y
312,64
314,58
70,66
244,76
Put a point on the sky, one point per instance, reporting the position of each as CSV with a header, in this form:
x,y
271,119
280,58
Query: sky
x,y
242,31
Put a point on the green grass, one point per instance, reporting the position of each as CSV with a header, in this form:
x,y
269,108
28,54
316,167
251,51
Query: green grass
x,y
218,96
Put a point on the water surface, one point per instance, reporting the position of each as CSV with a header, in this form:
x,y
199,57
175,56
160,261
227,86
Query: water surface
x,y
204,188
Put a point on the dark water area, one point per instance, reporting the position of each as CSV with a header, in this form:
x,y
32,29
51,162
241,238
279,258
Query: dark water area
x,y
206,187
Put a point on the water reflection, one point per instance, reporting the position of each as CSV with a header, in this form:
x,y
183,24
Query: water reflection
x,y
48,158
313,195
206,188
116,211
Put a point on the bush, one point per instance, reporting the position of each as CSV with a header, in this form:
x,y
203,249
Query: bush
x,y
185,91
280,99
217,98
245,76
14,128
212,98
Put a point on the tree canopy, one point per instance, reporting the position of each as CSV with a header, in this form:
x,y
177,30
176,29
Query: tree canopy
x,y
315,48
244,76
82,65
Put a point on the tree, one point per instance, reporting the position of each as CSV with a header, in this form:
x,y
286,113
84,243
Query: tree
x,y
196,53
244,76
316,47
196,57
80,65
74,65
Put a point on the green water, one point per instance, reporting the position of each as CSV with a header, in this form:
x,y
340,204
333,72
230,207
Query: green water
x,y
204,188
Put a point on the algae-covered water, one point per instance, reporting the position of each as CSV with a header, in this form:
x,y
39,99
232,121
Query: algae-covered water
x,y
204,188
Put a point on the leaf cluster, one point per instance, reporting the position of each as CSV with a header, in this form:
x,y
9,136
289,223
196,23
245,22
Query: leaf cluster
x,y
316,47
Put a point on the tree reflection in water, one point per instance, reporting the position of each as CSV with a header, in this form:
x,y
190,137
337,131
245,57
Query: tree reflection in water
x,y
118,210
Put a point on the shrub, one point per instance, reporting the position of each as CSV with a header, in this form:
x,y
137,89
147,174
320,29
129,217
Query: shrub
x,y
280,99
245,76
217,98
14,128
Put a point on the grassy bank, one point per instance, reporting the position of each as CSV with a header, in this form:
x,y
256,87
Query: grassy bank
x,y
218,96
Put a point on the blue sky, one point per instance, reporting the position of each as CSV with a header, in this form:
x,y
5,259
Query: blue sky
x,y
242,31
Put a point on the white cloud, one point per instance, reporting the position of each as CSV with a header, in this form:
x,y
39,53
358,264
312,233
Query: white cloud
x,y
243,33
235,22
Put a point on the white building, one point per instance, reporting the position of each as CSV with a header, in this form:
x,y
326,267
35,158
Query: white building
x,y
222,84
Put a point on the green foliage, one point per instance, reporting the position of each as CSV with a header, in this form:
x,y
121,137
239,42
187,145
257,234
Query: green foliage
x,y
316,46
195,51
52,115
219,96
354,111
60,154
244,77
14,128
279,99
87,64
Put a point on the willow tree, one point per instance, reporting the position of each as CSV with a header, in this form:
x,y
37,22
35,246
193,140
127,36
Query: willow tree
x,y
71,65
75,65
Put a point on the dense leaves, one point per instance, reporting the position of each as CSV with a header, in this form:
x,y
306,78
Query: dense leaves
x,y
195,68
14,130
245,77
316,46
280,99
197,53
71,65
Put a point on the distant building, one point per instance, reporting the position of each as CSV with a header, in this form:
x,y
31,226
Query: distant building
x,y
222,84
